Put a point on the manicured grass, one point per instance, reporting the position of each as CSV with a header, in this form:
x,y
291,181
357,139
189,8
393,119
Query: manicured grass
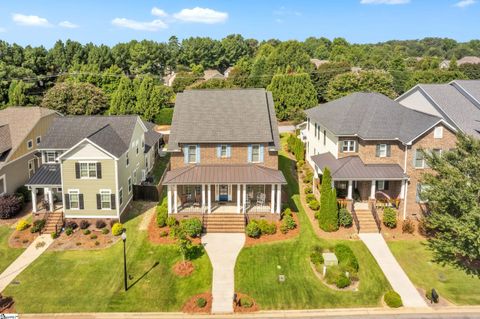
x,y
256,271
92,281
452,284
7,254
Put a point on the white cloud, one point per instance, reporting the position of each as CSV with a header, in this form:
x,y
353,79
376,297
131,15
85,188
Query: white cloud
x,y
384,1
201,15
68,25
154,25
30,20
282,11
464,3
158,12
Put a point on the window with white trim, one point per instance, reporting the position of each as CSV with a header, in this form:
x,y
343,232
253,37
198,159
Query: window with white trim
x,y
192,153
88,170
437,151
130,185
31,167
223,150
381,185
38,139
74,196
255,153
438,132
105,199
50,157
120,196
382,150
420,195
136,146
348,146
29,144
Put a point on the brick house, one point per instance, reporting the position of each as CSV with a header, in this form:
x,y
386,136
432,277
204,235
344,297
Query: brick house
x,y
372,146
224,155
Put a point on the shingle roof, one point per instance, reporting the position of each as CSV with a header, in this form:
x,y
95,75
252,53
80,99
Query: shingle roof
x,y
352,167
228,174
372,116
152,136
230,116
47,174
469,59
472,87
5,140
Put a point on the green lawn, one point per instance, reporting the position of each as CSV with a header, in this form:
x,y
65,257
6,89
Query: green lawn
x,y
92,281
453,284
7,254
256,272
159,168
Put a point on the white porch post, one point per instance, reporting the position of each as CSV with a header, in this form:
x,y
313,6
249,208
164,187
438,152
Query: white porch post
x,y
244,198
203,198
175,204
372,190
34,199
209,199
272,200
169,198
279,198
402,190
238,199
350,189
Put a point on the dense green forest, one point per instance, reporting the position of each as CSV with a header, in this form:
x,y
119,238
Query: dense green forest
x,y
128,77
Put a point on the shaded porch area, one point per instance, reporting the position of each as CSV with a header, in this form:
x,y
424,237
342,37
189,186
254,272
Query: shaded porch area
x,y
46,188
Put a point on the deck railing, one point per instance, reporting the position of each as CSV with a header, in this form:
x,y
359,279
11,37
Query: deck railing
x,y
373,208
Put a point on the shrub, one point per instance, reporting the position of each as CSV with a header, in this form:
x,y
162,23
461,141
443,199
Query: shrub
x,y
287,212
407,226
343,281
117,229
93,236
390,217
392,299
105,231
86,232
267,228
314,204
163,233
300,164
316,256
308,190
310,197
38,225
68,231
22,225
289,222
71,224
171,221
253,230
201,302
26,194
345,218
308,177
346,258
162,215
10,205
246,302
54,235
97,243
84,224
100,223
192,226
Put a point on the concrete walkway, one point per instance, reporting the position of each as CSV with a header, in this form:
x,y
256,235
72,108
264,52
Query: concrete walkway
x,y
25,259
223,249
392,270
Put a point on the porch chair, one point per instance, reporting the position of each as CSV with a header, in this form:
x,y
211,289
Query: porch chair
x,y
261,199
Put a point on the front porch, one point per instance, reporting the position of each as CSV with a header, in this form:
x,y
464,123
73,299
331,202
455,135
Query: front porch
x,y
46,181
385,192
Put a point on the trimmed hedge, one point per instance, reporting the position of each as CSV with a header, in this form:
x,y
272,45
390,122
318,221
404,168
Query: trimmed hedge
x,y
162,214
316,256
393,299
310,197
253,230
346,258
390,217
314,204
345,218
22,225
117,229
288,223
192,226
267,228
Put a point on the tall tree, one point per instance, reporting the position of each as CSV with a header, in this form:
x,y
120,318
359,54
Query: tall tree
x,y
123,99
324,74
328,215
17,93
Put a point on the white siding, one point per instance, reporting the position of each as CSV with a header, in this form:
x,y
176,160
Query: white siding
x,y
417,101
86,151
316,143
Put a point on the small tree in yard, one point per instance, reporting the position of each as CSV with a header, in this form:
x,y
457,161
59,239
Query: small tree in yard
x,y
328,215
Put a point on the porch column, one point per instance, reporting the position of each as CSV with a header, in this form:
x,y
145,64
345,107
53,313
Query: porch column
x,y
175,204
402,189
169,198
350,189
272,200
34,199
279,198
209,199
372,190
203,198
244,198
50,200
238,199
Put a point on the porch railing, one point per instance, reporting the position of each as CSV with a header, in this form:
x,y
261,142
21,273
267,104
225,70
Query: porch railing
x,y
355,217
373,208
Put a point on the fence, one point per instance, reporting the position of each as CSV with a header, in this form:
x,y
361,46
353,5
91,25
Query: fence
x,y
151,193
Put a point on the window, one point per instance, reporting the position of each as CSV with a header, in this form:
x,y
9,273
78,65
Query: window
x,y
420,196
318,134
29,144
74,199
223,151
382,185
88,170
315,130
3,186
382,150
136,146
419,159
143,144
348,146
255,153
38,139
324,137
50,157
129,184
120,196
105,199
437,151
308,124
192,153
127,159
31,167
438,132
135,180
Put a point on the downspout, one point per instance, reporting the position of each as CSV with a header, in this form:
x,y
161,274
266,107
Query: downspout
x,y
405,190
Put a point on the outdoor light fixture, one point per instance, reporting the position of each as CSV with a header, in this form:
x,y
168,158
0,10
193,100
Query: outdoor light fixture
x,y
124,239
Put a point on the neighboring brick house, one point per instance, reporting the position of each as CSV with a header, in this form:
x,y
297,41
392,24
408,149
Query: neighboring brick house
x,y
21,132
372,145
90,164
224,154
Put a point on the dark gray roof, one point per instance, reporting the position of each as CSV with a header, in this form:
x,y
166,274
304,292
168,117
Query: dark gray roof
x,y
47,174
152,136
352,167
218,116
113,133
372,116
228,174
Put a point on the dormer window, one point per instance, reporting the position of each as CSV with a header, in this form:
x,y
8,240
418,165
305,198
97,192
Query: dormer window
x,y
50,157
192,153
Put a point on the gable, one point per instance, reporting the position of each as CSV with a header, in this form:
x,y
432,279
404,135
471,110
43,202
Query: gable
x,y
86,151
417,100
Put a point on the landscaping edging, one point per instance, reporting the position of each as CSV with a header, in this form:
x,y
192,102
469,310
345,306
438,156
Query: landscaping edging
x,y
277,237
352,287
192,307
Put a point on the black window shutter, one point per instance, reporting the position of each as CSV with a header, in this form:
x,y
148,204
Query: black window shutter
x,y
99,202
386,185
77,170
80,199
389,150
112,197
67,201
99,170
377,152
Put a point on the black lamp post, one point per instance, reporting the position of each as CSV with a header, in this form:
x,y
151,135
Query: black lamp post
x,y
124,239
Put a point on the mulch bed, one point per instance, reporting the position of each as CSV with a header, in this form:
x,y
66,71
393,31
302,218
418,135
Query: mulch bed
x,y
22,238
278,236
398,234
191,305
238,308
79,241
155,234
183,268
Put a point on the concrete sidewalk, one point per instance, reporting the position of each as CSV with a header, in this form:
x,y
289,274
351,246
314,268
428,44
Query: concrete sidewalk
x,y
223,249
392,270
25,259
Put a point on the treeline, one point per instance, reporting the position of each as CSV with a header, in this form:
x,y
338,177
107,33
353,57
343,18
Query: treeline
x,y
128,77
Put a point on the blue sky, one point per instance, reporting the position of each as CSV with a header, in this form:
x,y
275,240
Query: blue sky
x,y
38,22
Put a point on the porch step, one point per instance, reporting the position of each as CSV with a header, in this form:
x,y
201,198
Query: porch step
x,y
367,222
224,223
54,223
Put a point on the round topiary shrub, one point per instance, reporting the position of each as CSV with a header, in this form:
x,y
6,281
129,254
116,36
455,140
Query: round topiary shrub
x,y
105,231
171,221
86,232
68,231
308,190
314,204
100,224
192,226
267,228
310,197
201,302
253,230
246,302
345,218
390,217
22,225
117,229
393,299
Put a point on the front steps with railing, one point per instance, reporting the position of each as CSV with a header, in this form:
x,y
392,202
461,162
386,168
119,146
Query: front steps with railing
x,y
224,223
365,217
54,223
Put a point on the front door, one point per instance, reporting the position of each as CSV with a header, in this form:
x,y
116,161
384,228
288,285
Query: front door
x,y
223,193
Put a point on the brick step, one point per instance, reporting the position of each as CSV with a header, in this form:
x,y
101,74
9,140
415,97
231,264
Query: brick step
x,y
229,231
239,222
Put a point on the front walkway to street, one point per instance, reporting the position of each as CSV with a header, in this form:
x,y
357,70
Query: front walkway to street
x,y
392,270
223,249
36,248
